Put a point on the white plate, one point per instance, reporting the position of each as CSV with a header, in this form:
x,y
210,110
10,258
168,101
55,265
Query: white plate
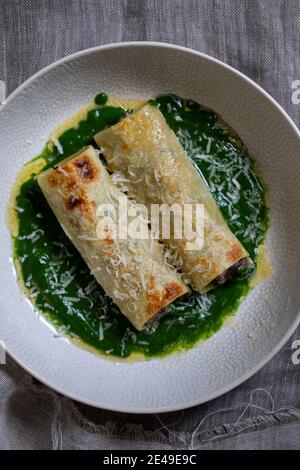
x,y
270,313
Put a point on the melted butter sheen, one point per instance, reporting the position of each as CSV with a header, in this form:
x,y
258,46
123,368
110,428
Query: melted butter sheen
x,y
58,280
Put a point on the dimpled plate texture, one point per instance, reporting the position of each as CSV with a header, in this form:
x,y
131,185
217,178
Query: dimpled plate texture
x,y
269,314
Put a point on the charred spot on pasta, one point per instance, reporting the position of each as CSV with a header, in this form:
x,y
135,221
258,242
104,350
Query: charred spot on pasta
x,y
73,202
235,252
87,169
173,290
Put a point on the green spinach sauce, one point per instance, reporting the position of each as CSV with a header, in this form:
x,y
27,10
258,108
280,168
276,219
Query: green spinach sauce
x,y
58,279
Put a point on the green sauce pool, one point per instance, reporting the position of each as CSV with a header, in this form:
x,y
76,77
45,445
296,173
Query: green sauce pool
x,y
59,281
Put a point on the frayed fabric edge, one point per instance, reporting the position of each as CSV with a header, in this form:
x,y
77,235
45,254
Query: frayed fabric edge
x,y
65,410
132,431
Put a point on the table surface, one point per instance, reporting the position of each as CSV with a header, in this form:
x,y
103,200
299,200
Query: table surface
x,y
259,38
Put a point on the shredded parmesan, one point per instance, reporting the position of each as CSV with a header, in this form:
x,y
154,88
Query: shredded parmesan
x,y
58,145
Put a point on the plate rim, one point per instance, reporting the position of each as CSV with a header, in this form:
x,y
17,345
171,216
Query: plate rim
x,y
296,322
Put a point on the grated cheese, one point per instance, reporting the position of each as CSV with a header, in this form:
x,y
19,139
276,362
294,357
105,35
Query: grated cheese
x,y
58,145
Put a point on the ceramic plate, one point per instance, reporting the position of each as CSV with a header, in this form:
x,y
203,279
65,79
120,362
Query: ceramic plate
x,y
264,320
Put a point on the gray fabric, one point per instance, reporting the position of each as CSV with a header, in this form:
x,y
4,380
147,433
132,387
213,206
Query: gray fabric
x,y
261,39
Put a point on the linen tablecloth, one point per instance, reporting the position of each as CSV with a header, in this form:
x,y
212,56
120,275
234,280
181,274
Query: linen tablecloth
x,y
261,38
